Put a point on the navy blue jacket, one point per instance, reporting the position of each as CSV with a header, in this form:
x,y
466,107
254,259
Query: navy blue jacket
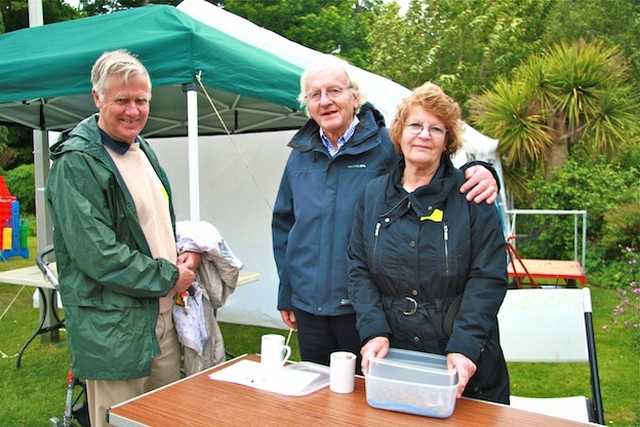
x,y
431,246
313,212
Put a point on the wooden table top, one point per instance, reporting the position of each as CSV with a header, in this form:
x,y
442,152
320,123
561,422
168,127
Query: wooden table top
x,y
201,401
32,276
547,268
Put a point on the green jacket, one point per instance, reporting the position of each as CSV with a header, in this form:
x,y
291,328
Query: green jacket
x,y
109,283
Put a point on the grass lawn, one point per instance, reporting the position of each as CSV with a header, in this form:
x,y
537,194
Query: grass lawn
x,y
31,395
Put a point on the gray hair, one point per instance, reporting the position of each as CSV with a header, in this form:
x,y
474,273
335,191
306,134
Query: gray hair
x,y
335,63
116,62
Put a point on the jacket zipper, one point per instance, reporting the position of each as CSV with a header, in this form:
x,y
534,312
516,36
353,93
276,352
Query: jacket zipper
x,y
446,248
375,244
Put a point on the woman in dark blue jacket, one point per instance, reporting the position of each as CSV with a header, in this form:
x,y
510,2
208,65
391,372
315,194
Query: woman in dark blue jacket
x,y
427,268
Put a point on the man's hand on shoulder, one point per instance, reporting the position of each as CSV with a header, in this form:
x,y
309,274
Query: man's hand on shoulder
x,y
480,186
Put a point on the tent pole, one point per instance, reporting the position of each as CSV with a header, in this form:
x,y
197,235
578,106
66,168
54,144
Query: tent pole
x,y
44,230
35,13
192,136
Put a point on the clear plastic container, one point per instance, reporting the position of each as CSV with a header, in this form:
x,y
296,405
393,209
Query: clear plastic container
x,y
412,382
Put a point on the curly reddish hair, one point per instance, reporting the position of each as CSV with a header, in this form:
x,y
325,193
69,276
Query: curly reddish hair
x,y
433,99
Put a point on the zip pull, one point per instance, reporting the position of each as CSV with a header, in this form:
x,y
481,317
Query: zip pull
x,y
378,225
446,248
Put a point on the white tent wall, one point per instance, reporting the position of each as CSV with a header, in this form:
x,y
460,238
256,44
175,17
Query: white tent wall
x,y
478,146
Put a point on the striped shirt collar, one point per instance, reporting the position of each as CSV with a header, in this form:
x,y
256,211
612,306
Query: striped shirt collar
x,y
342,140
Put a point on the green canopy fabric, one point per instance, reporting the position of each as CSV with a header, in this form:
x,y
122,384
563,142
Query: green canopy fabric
x,y
45,84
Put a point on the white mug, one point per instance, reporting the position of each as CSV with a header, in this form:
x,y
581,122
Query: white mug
x,y
342,372
273,352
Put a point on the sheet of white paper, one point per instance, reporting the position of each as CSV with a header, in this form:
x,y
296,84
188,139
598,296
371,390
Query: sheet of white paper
x,y
292,380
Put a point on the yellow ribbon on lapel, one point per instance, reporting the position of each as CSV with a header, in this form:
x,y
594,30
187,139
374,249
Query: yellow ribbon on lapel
x,y
436,216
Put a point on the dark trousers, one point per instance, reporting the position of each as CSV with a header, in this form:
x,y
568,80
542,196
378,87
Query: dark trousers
x,y
319,336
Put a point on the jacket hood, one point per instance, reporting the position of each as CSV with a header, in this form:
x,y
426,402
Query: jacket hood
x,y
307,138
437,192
82,137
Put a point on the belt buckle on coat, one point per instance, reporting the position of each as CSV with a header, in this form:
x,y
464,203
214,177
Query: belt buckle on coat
x,y
413,309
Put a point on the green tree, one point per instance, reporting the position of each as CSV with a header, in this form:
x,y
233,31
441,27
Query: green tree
x,y
6,155
614,21
573,96
16,146
15,13
462,45
21,183
102,7
339,26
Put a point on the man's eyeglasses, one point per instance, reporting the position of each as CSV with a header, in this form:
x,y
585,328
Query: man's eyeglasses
x,y
417,128
331,93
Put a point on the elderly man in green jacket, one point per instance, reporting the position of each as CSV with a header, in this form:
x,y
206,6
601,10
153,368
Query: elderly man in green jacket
x,y
114,241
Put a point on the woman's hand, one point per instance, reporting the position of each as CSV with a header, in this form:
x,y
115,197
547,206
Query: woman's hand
x,y
375,347
465,367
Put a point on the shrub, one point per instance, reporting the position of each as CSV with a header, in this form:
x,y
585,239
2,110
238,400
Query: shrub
x,y
627,312
622,224
606,191
31,222
21,184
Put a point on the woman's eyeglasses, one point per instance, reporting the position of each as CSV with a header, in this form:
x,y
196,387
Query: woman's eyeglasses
x,y
417,128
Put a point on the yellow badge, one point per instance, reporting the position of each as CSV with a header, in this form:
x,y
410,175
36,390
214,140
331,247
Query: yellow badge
x,y
436,216
164,193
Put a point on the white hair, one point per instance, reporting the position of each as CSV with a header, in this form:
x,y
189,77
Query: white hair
x,y
330,62
116,62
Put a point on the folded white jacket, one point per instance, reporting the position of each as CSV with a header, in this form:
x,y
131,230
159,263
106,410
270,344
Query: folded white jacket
x,y
216,279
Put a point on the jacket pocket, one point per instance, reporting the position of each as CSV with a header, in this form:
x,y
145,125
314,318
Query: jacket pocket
x,y
490,370
448,253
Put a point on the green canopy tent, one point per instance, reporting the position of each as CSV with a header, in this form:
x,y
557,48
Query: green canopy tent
x,y
44,73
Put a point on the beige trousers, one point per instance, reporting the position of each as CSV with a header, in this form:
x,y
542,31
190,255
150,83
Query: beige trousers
x,y
165,369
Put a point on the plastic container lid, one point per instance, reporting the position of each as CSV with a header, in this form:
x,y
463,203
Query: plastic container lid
x,y
413,382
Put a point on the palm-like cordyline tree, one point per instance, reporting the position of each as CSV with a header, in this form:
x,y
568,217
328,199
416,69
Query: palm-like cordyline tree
x,y
573,95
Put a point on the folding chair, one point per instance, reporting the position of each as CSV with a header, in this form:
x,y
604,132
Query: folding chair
x,y
553,326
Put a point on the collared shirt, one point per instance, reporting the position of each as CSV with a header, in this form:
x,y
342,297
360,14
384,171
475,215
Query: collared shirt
x,y
118,146
342,140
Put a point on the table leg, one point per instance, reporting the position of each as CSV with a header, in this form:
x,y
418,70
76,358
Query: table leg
x,y
46,309
52,322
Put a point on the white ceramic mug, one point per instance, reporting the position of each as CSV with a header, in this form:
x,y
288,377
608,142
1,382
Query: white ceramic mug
x,y
342,372
273,352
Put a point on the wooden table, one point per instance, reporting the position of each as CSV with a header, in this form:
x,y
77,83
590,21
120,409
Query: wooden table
x,y
200,401
33,276
548,269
